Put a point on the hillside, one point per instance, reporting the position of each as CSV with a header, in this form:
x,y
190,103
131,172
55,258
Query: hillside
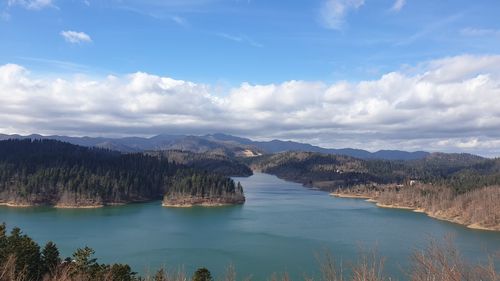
x,y
47,172
330,172
212,162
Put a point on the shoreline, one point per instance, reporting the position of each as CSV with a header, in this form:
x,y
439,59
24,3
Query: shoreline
x,y
199,202
15,205
474,226
68,206
356,196
78,206
116,204
191,205
57,206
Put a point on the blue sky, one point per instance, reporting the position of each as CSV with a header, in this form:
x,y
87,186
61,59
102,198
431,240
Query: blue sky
x,y
233,41
370,74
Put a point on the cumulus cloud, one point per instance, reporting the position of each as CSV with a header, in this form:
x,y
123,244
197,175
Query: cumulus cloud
x,y
75,37
398,5
31,4
449,104
333,12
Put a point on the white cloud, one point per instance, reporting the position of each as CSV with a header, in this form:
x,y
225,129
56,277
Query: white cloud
x,y
333,12
398,5
447,104
31,4
75,37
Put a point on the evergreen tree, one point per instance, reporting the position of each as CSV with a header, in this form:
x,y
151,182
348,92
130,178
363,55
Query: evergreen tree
x,y
50,258
202,274
27,253
121,272
83,259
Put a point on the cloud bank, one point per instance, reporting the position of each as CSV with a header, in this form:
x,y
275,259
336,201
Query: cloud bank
x,y
450,104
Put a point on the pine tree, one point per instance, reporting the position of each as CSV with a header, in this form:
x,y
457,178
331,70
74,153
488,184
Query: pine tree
x,y
202,274
50,258
83,259
27,253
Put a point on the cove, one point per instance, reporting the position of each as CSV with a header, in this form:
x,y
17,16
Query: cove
x,y
281,227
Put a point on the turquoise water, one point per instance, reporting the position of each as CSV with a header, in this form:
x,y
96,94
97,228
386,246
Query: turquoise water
x,y
281,227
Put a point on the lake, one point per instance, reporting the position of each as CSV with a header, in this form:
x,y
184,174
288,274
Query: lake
x,y
281,227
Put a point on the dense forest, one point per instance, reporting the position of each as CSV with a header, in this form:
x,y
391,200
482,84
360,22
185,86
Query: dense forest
x,y
23,259
206,161
47,172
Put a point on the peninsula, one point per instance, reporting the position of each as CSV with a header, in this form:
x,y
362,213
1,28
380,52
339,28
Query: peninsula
x,y
62,175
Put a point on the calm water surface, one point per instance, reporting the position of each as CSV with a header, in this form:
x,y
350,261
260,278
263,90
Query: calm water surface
x,y
281,227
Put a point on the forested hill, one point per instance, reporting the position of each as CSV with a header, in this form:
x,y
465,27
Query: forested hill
x,y
206,161
460,171
48,172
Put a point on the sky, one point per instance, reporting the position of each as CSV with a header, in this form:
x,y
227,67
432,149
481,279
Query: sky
x,y
370,74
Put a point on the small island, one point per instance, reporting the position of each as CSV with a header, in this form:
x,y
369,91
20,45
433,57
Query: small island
x,y
202,189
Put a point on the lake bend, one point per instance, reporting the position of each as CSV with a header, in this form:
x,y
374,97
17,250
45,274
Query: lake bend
x,y
282,227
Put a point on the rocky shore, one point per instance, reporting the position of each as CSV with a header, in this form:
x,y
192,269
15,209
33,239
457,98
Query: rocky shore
x,y
191,201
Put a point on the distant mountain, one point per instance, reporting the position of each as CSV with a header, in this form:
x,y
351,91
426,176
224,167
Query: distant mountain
x,y
215,144
222,144
277,146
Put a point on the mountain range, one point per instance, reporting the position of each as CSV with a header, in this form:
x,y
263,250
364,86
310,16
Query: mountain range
x,y
219,143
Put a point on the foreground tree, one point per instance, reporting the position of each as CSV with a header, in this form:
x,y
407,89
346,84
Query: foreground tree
x,y
50,258
202,274
26,253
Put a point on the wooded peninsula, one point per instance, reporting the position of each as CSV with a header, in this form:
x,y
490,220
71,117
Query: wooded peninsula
x,y
53,173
